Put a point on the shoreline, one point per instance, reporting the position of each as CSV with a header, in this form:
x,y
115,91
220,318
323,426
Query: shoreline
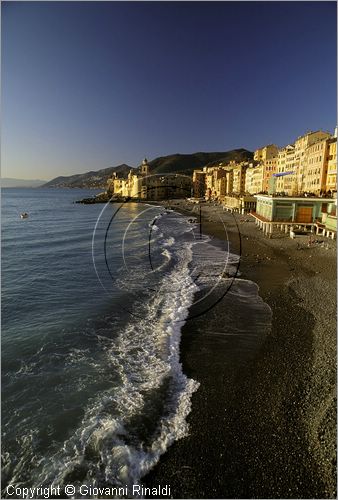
x,y
270,419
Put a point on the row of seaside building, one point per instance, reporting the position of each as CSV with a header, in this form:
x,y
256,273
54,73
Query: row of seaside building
x,y
307,166
293,186
286,187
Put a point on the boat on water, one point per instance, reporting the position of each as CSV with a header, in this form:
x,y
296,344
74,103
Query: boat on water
x,y
24,215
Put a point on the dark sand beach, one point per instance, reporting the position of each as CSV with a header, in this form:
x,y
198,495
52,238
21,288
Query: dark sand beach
x,y
263,424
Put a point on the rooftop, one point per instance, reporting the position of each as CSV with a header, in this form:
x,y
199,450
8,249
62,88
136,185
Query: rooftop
x,y
299,197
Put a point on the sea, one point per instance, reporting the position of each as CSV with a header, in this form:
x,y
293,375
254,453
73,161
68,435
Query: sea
x,y
94,298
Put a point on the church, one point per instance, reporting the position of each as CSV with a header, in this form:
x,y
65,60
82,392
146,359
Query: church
x,y
141,184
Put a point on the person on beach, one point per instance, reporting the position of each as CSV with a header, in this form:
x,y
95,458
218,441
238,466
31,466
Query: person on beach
x,y
311,240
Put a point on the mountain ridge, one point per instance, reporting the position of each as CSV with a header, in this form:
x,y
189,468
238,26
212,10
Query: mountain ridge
x,y
174,163
91,179
187,163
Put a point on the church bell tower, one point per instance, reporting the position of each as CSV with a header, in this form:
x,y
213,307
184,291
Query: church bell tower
x,y
145,167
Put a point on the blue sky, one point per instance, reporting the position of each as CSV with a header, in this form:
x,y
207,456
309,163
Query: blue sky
x,y
87,85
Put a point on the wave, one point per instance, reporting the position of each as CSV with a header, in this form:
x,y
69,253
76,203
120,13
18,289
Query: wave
x,y
121,381
127,428
168,242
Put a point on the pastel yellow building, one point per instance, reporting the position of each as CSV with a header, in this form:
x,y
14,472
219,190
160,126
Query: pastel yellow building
x,y
219,174
269,168
301,145
257,179
238,183
308,165
315,166
229,180
331,178
117,185
249,180
218,180
268,160
287,180
209,182
266,153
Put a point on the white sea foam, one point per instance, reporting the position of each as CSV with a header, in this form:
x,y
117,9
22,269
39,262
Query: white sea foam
x,y
168,242
146,357
112,443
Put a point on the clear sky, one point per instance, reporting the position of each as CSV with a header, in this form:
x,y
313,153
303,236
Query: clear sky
x,y
87,85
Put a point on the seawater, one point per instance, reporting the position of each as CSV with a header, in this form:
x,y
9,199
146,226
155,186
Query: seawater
x,y
94,299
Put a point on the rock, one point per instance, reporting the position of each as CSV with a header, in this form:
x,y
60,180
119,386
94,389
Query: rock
x,y
99,198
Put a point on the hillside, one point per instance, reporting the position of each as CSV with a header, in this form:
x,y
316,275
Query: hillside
x,y
92,179
186,163
183,163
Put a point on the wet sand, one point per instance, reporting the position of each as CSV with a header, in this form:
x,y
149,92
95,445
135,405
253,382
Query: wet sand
x,y
262,425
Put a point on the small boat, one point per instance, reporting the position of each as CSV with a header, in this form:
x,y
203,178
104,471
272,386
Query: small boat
x,y
24,215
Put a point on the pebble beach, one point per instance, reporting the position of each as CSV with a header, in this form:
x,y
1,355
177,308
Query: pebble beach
x,y
262,425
